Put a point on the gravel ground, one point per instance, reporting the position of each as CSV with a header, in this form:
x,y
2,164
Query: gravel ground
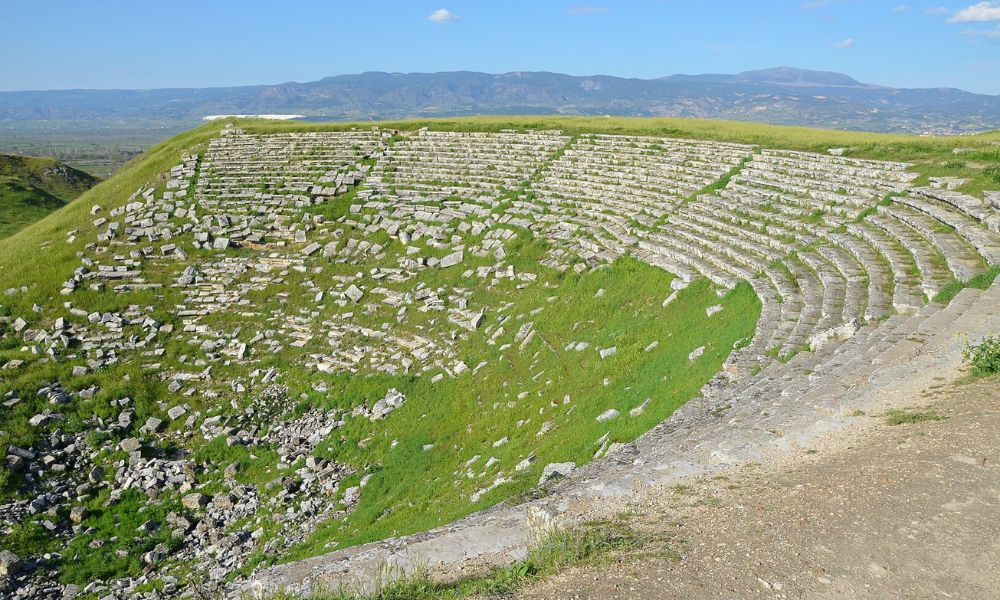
x,y
873,511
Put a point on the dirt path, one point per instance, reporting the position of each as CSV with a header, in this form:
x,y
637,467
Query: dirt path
x,y
905,511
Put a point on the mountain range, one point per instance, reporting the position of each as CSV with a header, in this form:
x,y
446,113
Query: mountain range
x,y
781,95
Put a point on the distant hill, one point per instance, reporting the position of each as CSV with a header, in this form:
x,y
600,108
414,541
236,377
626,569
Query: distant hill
x,y
32,187
784,76
782,95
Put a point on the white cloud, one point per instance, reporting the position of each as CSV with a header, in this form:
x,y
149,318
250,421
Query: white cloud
x,y
845,43
977,13
936,11
588,10
442,15
901,8
989,33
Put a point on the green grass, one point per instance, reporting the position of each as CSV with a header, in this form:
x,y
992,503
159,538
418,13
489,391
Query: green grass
x,y
991,174
26,538
981,282
120,548
31,188
907,417
412,489
22,204
721,183
47,174
122,545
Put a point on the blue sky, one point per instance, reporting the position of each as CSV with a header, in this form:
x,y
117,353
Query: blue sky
x,y
59,44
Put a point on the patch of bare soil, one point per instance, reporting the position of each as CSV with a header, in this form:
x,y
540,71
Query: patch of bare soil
x,y
880,511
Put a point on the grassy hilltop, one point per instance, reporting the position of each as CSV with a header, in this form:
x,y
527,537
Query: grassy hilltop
x,y
33,187
415,465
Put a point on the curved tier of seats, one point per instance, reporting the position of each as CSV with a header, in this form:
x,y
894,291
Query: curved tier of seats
x,y
845,255
830,244
468,165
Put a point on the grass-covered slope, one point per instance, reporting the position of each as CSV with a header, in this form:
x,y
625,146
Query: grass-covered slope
x,y
533,385
19,264
47,174
33,187
545,404
22,204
